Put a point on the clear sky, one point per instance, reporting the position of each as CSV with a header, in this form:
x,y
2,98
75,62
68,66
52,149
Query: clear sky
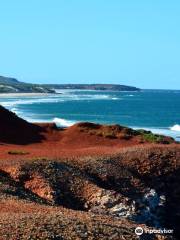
x,y
132,42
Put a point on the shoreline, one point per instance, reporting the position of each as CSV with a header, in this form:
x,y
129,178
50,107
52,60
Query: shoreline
x,y
23,94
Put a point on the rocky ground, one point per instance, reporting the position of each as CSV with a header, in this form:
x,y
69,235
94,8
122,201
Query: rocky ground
x,y
91,198
88,182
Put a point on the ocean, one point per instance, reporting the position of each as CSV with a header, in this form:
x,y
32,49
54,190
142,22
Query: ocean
x,y
155,110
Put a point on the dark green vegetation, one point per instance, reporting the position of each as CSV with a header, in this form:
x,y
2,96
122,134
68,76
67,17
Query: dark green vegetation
x,y
154,138
12,85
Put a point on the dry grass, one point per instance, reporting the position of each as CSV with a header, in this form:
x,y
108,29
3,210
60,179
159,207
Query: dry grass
x,y
121,132
17,152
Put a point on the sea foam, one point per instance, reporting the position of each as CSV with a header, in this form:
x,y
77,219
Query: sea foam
x,y
176,128
30,101
60,122
14,102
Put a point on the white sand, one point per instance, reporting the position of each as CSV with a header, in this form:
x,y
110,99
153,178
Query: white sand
x,y
8,95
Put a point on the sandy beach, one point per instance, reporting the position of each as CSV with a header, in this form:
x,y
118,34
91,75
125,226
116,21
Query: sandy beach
x,y
8,95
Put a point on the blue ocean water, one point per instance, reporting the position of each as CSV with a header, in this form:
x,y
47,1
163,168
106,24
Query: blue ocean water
x,y
157,110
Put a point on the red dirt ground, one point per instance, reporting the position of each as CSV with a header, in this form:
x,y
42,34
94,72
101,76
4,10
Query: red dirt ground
x,y
66,143
50,189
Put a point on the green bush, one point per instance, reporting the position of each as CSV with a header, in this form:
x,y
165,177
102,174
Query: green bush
x,y
150,137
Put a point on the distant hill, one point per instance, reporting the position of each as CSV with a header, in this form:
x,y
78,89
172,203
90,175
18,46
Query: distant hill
x,y
105,87
8,80
12,85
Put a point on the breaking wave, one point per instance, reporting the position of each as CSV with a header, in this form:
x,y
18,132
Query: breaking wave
x,y
176,128
60,122
30,101
56,99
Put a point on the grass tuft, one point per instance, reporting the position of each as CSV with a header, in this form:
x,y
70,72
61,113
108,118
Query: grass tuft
x,y
17,152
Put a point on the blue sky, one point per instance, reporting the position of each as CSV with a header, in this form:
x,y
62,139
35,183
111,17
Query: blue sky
x,y
95,41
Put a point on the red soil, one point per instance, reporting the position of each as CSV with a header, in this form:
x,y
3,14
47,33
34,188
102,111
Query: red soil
x,y
68,142
44,140
16,130
50,189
